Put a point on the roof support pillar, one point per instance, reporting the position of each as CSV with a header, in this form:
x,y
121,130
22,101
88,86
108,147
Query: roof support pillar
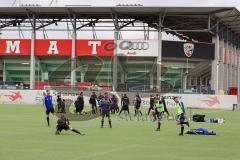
x,y
234,69
115,58
230,52
209,22
159,58
73,56
238,77
215,65
226,70
4,71
32,58
221,65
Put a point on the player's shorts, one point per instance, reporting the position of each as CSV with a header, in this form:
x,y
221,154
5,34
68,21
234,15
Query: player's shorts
x,y
115,106
125,107
151,108
105,113
61,127
181,118
159,115
50,110
137,107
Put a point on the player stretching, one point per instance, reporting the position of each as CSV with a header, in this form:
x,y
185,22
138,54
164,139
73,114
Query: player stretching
x,y
105,105
159,111
48,105
63,123
180,114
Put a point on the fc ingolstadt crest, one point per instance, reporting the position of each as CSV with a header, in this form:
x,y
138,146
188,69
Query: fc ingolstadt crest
x,y
188,49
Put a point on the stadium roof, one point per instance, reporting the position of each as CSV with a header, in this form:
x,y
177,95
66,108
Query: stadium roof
x,y
103,12
187,20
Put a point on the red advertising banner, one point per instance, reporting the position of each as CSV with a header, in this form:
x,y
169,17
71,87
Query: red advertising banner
x,y
18,47
101,48
51,47
56,47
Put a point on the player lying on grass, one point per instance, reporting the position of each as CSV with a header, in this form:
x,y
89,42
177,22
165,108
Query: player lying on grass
x,y
180,115
63,123
200,131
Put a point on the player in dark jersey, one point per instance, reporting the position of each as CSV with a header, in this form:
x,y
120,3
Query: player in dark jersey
x,y
159,111
79,103
63,123
151,107
59,100
93,102
137,106
61,106
48,105
100,97
125,104
114,107
105,105
164,105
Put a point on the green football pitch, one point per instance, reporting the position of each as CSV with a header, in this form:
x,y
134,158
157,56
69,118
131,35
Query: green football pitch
x,y
24,135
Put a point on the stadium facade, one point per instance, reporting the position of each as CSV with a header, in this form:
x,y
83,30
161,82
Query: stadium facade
x,y
206,61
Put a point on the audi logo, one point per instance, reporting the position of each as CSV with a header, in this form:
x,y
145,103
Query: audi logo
x,y
128,45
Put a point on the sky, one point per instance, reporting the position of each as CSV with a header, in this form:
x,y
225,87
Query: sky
x,y
130,35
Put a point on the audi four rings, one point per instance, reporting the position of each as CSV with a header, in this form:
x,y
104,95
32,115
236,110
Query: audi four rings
x,y
128,45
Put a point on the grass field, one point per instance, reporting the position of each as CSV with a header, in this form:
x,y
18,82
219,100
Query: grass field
x,y
25,136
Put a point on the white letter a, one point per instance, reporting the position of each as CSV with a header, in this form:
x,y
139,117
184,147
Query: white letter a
x,y
53,47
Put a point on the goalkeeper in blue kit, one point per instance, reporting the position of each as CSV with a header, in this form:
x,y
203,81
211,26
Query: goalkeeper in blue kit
x,y
48,104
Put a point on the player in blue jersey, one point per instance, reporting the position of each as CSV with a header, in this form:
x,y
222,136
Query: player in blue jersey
x,y
48,104
105,105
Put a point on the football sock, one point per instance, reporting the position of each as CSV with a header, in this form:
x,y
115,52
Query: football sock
x,y
182,129
110,123
159,124
48,121
76,131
